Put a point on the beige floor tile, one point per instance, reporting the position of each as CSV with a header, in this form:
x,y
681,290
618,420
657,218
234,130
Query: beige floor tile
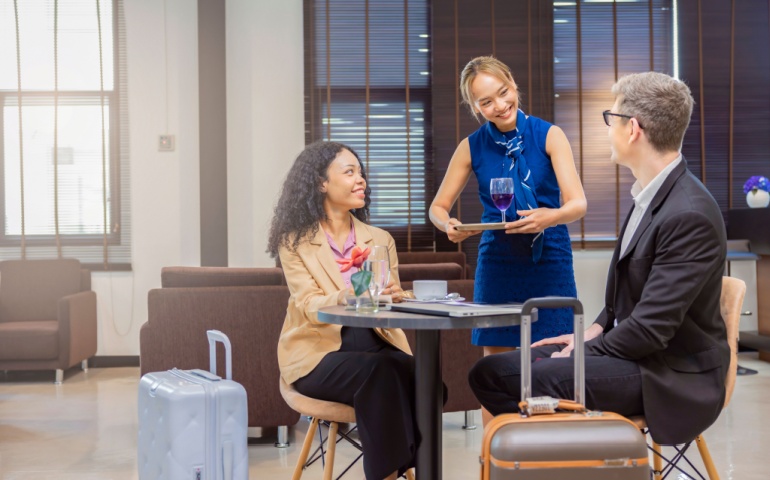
x,y
86,429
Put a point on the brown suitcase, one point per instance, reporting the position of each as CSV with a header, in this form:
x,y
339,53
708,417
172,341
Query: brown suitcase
x,y
576,444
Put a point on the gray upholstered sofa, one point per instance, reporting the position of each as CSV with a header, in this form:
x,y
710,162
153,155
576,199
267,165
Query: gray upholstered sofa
x,y
246,304
47,315
249,305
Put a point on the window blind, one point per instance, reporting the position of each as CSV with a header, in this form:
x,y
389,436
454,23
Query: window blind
x,y
367,85
63,119
723,58
595,43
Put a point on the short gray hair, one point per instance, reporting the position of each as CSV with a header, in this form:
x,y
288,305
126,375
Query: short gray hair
x,y
660,103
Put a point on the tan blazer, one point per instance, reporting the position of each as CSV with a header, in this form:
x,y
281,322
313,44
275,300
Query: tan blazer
x,y
315,281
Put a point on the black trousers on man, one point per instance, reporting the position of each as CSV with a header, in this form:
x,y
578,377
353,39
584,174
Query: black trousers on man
x,y
612,384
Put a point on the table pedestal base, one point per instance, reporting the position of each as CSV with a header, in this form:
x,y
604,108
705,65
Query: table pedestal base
x,y
429,403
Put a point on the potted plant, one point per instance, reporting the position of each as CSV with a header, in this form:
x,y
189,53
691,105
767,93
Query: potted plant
x,y
756,190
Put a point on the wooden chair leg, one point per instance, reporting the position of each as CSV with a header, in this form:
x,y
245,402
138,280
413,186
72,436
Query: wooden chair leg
x,y
331,445
705,455
410,474
657,461
311,429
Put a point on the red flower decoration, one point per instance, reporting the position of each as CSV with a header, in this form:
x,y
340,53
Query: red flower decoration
x,y
357,257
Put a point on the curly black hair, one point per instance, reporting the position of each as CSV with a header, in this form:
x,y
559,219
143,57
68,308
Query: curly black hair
x,y
300,204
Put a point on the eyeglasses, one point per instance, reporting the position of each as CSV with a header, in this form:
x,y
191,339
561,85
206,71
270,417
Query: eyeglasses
x,y
607,114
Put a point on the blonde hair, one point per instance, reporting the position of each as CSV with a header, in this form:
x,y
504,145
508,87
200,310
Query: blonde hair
x,y
660,103
486,64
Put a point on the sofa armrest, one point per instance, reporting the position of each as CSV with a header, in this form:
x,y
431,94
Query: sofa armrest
x,y
77,327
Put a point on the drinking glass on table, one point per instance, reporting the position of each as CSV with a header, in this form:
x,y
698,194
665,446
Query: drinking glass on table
x,y
501,190
378,263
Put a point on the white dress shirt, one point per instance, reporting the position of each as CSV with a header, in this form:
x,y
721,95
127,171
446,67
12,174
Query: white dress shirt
x,y
642,199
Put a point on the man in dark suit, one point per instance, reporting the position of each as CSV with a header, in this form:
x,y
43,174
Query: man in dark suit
x,y
659,346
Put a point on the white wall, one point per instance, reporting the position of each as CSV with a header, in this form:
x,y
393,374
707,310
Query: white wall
x,y
591,268
265,117
162,98
265,133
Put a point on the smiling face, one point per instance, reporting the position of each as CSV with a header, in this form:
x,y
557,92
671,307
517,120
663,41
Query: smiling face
x,y
496,100
344,187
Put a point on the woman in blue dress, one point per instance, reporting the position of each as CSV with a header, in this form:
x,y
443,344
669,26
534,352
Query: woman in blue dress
x,y
532,257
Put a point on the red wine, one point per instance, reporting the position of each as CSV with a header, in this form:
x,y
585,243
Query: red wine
x,y
502,200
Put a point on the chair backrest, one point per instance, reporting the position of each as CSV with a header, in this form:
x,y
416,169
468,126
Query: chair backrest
x,y
31,289
730,303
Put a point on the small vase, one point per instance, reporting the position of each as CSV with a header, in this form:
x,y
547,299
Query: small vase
x,y
757,198
367,303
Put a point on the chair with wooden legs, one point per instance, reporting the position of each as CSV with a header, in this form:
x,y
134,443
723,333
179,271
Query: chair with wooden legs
x,y
733,291
330,414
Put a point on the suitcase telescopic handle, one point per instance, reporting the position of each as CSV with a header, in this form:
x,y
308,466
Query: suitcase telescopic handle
x,y
214,337
526,341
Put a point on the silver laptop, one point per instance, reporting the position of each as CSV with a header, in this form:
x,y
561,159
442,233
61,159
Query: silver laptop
x,y
457,309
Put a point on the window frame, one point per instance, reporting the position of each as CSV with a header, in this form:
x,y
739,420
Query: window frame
x,y
113,156
113,126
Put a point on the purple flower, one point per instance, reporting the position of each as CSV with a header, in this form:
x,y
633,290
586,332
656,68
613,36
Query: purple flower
x,y
756,183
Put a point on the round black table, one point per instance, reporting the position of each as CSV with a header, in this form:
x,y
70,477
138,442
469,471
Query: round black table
x,y
428,388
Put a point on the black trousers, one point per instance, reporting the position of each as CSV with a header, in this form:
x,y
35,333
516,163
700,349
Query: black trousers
x,y
377,380
612,384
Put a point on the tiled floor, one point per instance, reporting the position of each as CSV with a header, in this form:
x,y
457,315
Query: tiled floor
x,y
86,430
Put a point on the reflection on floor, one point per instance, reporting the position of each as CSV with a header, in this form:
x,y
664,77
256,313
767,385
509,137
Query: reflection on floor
x,y
86,429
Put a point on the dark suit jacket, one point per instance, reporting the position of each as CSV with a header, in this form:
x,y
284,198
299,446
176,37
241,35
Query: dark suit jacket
x,y
664,292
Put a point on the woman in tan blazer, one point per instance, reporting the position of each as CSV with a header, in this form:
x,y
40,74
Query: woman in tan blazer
x,y
320,218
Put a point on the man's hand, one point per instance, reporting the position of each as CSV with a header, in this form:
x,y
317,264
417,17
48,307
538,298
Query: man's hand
x,y
569,340
566,339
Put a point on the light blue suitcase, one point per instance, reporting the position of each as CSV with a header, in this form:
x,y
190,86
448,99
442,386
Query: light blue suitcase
x,y
193,423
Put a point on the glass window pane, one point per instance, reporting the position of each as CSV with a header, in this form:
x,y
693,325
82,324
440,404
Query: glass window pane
x,y
79,172
77,45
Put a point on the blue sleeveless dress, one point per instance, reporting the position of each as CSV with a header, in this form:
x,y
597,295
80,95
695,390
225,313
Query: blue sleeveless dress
x,y
505,271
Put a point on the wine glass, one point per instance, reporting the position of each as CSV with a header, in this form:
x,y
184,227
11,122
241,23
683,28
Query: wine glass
x,y
378,262
501,190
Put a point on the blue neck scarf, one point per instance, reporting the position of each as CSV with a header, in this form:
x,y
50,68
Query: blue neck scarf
x,y
524,196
